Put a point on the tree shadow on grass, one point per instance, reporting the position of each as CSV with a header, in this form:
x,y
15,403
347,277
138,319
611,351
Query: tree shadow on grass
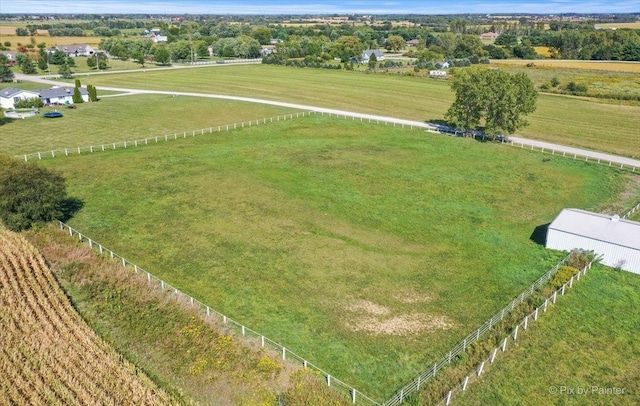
x,y
5,120
539,235
437,121
70,207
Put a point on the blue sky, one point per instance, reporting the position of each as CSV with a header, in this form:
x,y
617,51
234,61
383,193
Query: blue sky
x,y
318,6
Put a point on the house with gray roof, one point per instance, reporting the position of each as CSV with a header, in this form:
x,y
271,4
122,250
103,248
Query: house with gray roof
x,y
74,50
366,55
61,95
53,96
9,96
616,240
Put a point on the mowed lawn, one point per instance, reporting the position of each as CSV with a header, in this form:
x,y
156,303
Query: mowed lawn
x,y
367,249
565,120
587,343
117,119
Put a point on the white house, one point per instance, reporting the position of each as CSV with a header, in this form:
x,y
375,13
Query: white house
x,y
61,95
616,239
366,55
9,96
438,73
56,95
74,50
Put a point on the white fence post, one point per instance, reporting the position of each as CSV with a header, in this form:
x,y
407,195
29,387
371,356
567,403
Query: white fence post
x,y
493,356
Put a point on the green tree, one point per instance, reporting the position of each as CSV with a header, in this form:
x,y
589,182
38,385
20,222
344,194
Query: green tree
x,y
91,63
6,74
65,71
395,43
29,194
347,46
27,66
161,55
93,93
497,98
77,96
373,61
138,57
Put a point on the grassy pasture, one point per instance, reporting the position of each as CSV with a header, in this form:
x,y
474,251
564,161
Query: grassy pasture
x,y
124,118
597,319
572,121
367,249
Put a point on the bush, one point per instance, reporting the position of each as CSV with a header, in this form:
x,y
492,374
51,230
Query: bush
x,y
28,103
29,194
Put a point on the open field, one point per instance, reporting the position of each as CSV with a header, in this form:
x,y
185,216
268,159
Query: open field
x,y
633,26
197,361
352,244
611,66
124,118
48,354
597,319
597,81
565,120
8,34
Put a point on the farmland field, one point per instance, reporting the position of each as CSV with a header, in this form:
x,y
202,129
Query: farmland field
x,y
612,66
48,354
369,250
565,120
596,318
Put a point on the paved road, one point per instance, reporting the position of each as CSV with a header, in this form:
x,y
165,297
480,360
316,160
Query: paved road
x,y
614,159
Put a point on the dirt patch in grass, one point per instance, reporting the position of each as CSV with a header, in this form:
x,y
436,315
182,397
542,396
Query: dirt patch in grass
x,y
375,319
402,325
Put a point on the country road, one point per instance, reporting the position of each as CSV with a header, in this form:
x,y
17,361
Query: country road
x,y
557,148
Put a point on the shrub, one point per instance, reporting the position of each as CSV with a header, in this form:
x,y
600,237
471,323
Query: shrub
x,y
29,103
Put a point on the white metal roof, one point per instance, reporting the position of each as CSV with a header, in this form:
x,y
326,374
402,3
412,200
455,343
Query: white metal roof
x,y
599,227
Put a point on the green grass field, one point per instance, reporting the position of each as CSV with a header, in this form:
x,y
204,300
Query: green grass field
x,y
124,118
596,319
369,250
572,121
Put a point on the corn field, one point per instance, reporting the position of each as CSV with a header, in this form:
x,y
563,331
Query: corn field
x,y
48,354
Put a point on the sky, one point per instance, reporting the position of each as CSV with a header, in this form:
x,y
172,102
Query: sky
x,y
317,6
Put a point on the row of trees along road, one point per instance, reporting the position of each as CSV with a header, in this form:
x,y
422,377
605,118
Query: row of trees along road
x,y
491,97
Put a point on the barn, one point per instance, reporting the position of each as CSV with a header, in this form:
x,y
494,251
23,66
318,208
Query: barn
x,y
616,240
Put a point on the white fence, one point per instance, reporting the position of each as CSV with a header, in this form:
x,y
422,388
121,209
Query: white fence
x,y
431,371
185,134
224,62
631,211
574,156
354,395
523,325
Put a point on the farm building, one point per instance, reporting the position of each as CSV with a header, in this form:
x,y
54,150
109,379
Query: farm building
x,y
615,239
438,73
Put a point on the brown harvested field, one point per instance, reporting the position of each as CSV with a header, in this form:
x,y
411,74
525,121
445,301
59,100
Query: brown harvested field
x,y
48,354
633,26
8,34
633,67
